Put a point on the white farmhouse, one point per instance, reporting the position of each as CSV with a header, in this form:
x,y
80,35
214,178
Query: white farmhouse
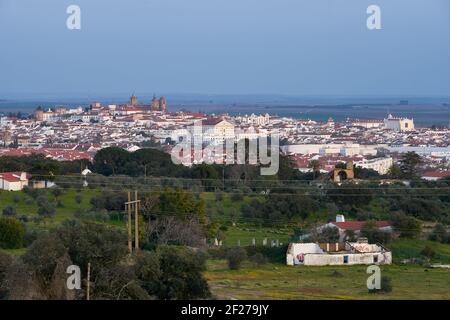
x,y
348,253
14,181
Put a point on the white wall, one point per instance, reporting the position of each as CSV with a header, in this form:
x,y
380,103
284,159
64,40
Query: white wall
x,y
353,259
12,186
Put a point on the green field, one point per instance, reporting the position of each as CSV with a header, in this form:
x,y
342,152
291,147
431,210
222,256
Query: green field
x,y
410,248
27,206
277,281
273,280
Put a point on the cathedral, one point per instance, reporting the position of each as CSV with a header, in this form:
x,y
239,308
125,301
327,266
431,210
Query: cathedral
x,y
155,105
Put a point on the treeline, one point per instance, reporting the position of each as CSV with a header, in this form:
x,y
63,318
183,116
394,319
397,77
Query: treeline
x,y
147,162
287,196
41,166
167,272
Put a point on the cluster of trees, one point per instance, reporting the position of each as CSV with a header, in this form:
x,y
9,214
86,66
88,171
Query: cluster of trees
x,y
171,216
143,162
156,163
46,208
12,233
168,272
408,168
288,196
440,234
41,166
278,208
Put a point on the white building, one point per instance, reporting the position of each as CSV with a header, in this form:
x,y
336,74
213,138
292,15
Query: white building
x,y
398,124
368,124
344,149
380,165
14,181
355,226
435,175
350,253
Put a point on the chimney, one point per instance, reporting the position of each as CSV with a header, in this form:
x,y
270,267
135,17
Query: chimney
x,y
340,218
23,176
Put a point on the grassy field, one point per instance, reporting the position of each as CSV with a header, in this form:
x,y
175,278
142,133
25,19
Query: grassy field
x,y
277,281
411,248
245,234
27,206
274,280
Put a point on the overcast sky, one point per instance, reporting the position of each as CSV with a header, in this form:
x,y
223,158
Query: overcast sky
x,y
299,47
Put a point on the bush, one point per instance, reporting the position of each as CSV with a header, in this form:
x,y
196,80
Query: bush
x,y
428,252
375,235
237,196
273,254
180,274
9,211
16,198
5,262
217,253
423,209
235,257
11,233
386,286
258,259
46,209
440,234
328,234
219,196
408,227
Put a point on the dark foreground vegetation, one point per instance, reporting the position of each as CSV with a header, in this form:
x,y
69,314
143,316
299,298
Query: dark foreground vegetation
x,y
183,211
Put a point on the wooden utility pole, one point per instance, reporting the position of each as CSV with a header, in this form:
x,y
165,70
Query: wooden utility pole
x,y
88,293
135,203
136,221
130,247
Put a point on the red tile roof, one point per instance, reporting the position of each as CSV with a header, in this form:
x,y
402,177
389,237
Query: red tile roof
x,y
358,225
13,176
436,174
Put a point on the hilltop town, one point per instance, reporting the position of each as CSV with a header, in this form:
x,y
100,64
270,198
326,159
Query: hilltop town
x,y
63,133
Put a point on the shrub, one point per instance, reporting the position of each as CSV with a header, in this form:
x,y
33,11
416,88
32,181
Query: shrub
x,y
9,211
181,274
273,254
440,234
11,233
16,198
235,257
5,262
408,227
219,196
386,286
375,235
236,196
258,259
428,252
328,234
46,209
78,199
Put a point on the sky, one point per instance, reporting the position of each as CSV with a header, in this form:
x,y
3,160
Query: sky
x,y
292,47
